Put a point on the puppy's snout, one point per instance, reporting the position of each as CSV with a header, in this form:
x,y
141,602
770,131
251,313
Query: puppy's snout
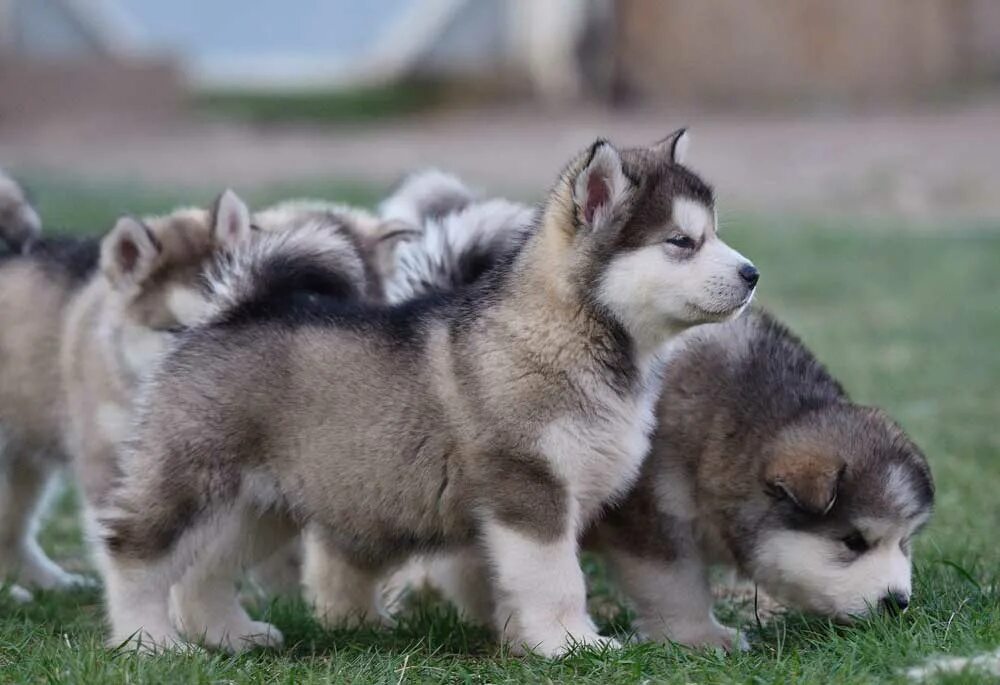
x,y
895,603
749,274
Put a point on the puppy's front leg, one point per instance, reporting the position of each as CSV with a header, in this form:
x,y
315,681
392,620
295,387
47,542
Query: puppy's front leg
x,y
672,599
539,589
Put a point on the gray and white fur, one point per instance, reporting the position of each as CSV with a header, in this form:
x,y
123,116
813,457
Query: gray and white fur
x,y
761,462
510,414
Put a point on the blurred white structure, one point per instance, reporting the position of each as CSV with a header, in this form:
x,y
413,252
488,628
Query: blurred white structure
x,y
320,43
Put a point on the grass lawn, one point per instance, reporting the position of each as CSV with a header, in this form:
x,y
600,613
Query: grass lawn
x,y
907,319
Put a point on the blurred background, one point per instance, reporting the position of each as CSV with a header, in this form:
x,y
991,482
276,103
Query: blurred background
x,y
854,146
887,107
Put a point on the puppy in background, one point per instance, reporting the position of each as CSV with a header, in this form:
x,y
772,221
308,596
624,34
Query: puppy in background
x,y
82,321
149,286
35,291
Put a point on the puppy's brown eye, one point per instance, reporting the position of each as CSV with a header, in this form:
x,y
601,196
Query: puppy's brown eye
x,y
681,241
855,542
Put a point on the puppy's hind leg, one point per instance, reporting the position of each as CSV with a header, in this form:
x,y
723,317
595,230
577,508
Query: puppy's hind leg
x,y
148,537
673,602
341,592
136,595
205,604
24,481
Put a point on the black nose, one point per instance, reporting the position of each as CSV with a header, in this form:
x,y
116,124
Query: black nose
x,y
895,603
749,273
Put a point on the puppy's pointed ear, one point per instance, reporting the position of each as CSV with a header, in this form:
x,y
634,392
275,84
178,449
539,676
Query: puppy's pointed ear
x,y
230,219
675,146
810,480
129,253
601,186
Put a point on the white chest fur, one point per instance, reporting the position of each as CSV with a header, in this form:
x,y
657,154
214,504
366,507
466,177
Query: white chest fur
x,y
598,453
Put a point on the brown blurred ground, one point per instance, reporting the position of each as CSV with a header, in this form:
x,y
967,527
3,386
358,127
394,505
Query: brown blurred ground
x,y
919,162
779,52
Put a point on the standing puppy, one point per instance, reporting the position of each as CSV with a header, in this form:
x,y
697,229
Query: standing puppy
x,y
35,291
518,409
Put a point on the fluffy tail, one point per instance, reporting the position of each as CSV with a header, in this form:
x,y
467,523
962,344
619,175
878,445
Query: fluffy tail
x,y
457,249
427,195
261,274
455,237
19,222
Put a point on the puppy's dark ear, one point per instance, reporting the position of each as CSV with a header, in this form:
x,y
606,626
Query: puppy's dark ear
x,y
230,220
674,146
129,253
809,479
601,185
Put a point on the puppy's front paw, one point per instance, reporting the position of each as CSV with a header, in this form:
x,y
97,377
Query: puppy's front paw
x,y
19,594
255,635
346,612
709,635
562,644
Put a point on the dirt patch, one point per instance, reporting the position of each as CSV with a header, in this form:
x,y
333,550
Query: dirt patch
x,y
924,163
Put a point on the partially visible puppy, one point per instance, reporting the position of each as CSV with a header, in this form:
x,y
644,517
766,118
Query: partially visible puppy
x,y
149,286
19,222
762,462
35,290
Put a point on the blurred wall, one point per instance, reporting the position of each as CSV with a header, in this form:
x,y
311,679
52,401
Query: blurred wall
x,y
740,50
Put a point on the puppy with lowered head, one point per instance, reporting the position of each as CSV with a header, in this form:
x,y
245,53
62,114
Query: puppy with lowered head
x,y
149,287
760,461
518,409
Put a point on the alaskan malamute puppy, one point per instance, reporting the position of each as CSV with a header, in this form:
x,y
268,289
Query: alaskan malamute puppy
x,y
511,413
35,290
149,287
759,461
81,321
153,285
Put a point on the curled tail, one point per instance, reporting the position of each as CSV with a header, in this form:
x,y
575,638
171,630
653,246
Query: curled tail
x,y
457,249
315,259
19,222
456,237
427,195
